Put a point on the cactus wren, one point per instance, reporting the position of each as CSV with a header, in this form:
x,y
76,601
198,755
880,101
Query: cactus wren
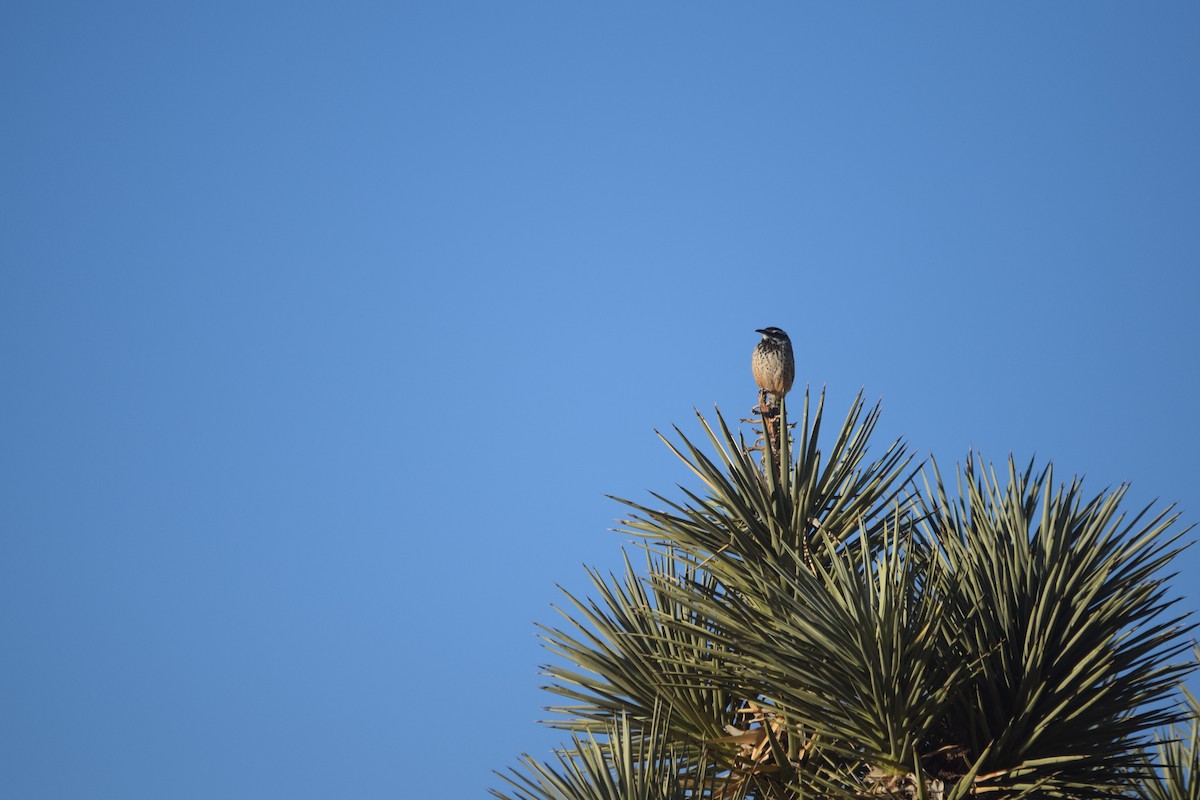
x,y
773,364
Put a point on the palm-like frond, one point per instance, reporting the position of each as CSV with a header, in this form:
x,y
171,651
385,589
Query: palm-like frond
x,y
1173,766
1060,606
844,659
624,656
755,517
625,762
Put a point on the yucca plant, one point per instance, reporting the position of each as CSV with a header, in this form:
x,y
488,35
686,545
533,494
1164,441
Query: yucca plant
x,y
813,622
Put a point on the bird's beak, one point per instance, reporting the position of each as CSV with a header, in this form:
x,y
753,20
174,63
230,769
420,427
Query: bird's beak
x,y
759,330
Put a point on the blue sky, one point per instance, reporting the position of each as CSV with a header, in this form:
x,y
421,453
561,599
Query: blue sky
x,y
325,330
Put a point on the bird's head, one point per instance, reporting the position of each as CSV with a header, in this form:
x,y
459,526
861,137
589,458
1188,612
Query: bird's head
x,y
774,334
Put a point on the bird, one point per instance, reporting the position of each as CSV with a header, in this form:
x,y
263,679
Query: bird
x,y
773,364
